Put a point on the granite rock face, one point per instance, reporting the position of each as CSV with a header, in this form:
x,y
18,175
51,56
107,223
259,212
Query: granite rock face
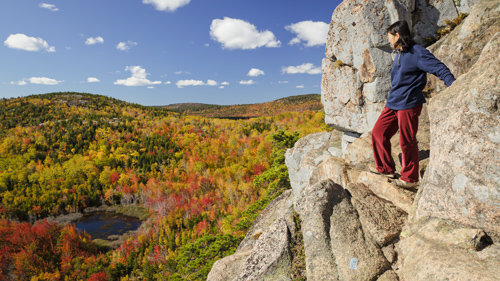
x,y
441,250
314,208
356,70
274,224
270,258
356,254
431,15
381,219
357,225
310,160
461,49
462,182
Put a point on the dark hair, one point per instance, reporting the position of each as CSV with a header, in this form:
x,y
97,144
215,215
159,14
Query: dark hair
x,y
405,37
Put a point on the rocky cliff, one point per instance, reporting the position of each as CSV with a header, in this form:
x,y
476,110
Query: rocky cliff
x,y
355,225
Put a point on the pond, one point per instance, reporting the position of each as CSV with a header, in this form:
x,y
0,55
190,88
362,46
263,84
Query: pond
x,y
100,225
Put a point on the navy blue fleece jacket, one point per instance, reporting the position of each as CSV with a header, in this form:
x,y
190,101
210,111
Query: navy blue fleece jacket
x,y
409,76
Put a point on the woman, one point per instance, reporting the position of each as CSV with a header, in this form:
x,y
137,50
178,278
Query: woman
x,y
404,103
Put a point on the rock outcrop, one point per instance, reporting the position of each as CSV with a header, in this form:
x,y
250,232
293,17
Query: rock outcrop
x,y
357,225
356,70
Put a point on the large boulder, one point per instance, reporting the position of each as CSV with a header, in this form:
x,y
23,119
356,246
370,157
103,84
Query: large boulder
x,y
462,182
356,70
312,159
270,258
314,208
356,254
381,219
252,251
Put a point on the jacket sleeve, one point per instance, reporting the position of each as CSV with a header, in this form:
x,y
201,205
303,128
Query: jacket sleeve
x,y
429,63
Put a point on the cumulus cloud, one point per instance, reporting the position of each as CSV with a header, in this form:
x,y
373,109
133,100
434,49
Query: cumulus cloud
x,y
92,80
248,82
168,82
44,81
51,7
308,68
300,86
93,41
282,82
138,78
167,5
239,34
125,46
225,83
212,83
26,43
311,33
184,83
181,72
254,72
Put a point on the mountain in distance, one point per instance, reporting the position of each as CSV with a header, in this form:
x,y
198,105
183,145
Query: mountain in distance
x,y
293,103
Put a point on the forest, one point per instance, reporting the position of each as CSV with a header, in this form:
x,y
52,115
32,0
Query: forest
x,y
203,180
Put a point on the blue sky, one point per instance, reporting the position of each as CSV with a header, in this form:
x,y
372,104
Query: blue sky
x,y
158,52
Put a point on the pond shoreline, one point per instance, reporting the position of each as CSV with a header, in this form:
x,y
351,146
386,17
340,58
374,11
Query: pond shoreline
x,y
136,211
112,241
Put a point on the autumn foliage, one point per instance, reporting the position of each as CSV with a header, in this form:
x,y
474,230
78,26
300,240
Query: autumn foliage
x,y
204,180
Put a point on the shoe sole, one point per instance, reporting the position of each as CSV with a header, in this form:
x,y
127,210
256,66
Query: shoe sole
x,y
406,186
391,176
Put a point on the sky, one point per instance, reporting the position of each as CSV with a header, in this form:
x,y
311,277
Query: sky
x,y
160,52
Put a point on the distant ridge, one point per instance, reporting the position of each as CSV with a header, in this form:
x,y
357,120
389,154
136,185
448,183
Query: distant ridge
x,y
298,103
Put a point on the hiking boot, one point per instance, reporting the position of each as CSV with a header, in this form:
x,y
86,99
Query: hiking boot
x,y
375,171
406,185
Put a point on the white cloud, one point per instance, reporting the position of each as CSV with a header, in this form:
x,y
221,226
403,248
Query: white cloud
x,y
225,83
151,87
282,82
212,83
239,34
300,86
167,5
19,83
181,72
168,82
26,43
308,68
248,82
310,32
92,80
138,78
207,45
44,81
183,83
93,41
51,7
254,72
125,46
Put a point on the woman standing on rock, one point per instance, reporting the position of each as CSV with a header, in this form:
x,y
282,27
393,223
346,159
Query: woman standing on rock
x,y
404,103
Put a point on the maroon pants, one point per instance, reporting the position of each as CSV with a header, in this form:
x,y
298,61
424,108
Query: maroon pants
x,y
387,125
